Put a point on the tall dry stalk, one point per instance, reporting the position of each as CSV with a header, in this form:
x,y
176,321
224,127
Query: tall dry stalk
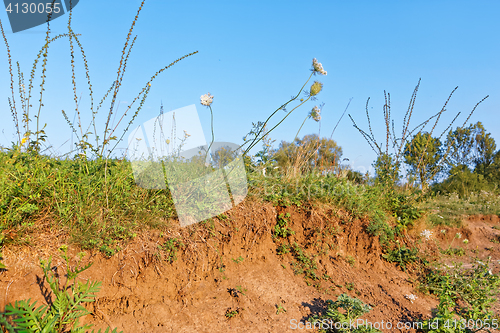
x,y
398,144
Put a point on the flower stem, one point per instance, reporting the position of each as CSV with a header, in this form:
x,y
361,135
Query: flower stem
x,y
255,141
212,127
296,135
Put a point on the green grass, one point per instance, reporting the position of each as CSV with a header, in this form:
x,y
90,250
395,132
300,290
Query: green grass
x,y
99,205
96,201
451,209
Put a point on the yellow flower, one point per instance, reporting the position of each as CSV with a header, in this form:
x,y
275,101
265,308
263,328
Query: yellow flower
x,y
149,84
23,141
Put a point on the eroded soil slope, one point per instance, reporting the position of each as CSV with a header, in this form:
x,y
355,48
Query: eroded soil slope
x,y
227,275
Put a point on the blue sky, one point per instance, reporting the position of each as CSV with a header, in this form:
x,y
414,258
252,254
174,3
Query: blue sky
x,y
254,55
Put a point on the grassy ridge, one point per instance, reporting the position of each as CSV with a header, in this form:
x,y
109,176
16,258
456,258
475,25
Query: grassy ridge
x,y
96,201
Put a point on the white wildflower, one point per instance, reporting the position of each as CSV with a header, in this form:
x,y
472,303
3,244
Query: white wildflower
x,y
318,67
315,113
458,235
206,99
427,234
411,297
466,241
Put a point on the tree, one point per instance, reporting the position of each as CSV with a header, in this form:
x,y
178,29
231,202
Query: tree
x,y
491,172
308,153
470,146
485,146
387,169
423,155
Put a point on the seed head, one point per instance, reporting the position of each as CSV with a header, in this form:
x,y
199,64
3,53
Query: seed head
x,y
316,88
206,99
315,114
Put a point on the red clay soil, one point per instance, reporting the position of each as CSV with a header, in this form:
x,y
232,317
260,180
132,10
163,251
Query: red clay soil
x,y
228,276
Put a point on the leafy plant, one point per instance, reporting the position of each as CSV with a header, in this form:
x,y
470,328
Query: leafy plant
x,y
283,249
465,298
349,286
2,265
233,313
336,320
171,247
401,255
241,290
305,264
238,260
61,314
280,308
403,207
351,260
281,228
454,252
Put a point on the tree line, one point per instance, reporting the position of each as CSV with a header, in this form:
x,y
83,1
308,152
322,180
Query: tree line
x,y
467,160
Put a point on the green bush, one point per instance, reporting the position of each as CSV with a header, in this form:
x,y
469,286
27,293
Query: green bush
x,y
401,255
465,298
336,320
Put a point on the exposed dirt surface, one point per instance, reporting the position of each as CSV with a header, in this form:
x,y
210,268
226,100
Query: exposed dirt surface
x,y
229,277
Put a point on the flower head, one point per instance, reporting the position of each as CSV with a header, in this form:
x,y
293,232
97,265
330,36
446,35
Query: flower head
x,y
318,67
458,235
427,234
315,113
466,241
316,88
206,99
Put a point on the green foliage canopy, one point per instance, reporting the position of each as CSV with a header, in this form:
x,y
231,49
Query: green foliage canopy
x,y
310,152
423,154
